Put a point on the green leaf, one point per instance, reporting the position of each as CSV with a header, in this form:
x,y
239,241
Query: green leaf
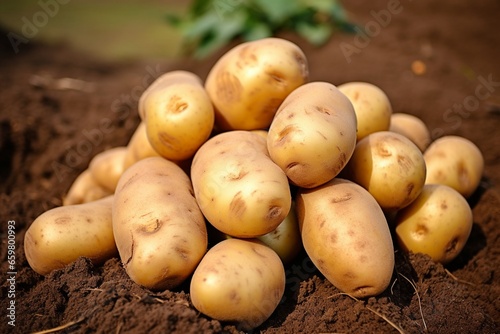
x,y
277,11
316,34
257,30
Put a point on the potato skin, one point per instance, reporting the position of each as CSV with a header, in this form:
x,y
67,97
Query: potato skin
x,y
159,230
85,189
438,223
249,82
138,147
390,167
412,128
313,134
238,280
63,234
179,116
239,189
345,233
371,104
107,167
456,162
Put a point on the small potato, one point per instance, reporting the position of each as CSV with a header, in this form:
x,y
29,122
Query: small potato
x,y
372,106
239,189
85,189
313,134
179,115
345,233
63,234
438,223
285,239
412,128
159,230
240,281
456,162
138,147
390,167
107,167
249,82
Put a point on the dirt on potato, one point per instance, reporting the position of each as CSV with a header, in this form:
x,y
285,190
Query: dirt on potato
x,y
59,108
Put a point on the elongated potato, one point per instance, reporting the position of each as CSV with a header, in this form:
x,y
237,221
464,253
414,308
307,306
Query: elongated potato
x,y
390,167
313,134
159,230
239,189
250,81
238,280
412,128
179,115
346,235
138,147
456,162
107,167
371,104
63,234
85,189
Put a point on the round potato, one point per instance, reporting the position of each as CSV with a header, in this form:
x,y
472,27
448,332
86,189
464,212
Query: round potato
x,y
239,189
438,223
313,134
85,189
412,128
372,106
138,147
107,167
456,162
159,230
345,233
179,116
240,281
390,167
249,82
63,234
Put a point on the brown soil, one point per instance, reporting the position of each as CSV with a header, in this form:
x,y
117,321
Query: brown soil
x,y
49,134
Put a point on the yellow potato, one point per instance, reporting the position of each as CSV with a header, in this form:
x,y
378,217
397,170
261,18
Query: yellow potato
x,y
345,233
85,189
63,234
240,281
438,223
372,106
138,147
250,81
107,167
159,230
313,134
456,162
239,189
390,167
412,128
179,115
285,239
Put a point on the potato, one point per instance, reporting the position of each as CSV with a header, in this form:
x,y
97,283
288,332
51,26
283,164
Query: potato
x,y
159,230
179,115
239,189
372,106
438,223
249,82
85,189
390,167
107,167
345,233
412,128
61,235
138,147
313,134
238,280
285,239
456,162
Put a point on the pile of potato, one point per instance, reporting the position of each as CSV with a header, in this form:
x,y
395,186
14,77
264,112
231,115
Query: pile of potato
x,y
263,162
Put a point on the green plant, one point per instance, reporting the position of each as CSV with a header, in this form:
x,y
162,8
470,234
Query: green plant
x,y
211,24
